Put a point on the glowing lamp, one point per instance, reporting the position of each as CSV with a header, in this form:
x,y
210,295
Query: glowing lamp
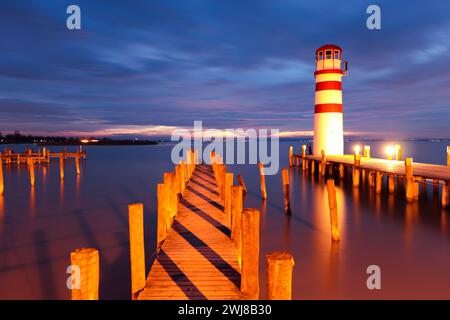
x,y
357,149
390,151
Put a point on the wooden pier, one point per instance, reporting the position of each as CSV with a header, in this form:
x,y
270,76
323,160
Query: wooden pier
x,y
9,156
198,259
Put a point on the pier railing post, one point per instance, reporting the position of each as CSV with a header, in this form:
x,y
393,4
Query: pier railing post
x,y
291,153
137,249
237,206
356,170
227,197
250,254
332,203
367,151
242,184
287,200
169,181
398,152
411,185
162,214
448,155
303,157
378,182
87,262
262,180
279,275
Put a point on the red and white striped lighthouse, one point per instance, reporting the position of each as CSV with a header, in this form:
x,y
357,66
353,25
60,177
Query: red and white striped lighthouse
x,y
328,118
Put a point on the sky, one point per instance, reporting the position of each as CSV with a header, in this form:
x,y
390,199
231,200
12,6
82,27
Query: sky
x,y
145,68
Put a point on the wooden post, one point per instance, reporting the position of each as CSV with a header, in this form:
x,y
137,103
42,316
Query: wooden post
x,y
262,179
323,163
169,181
312,164
356,170
303,156
391,183
435,186
227,200
371,179
279,275
237,206
242,183
367,151
61,168
2,185
378,182
287,201
137,250
341,170
77,164
86,261
291,153
446,194
163,215
250,254
332,203
410,194
398,152
32,175
448,155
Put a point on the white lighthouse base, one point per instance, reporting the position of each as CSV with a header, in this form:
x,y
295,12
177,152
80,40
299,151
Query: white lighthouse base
x,y
328,133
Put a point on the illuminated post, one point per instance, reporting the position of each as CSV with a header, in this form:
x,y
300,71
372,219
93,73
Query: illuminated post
x,y
137,250
242,183
391,152
356,170
291,153
367,151
162,215
86,261
410,192
61,167
287,201
262,179
303,156
279,275
250,254
328,119
237,206
332,203
2,186
227,203
398,152
378,182
391,183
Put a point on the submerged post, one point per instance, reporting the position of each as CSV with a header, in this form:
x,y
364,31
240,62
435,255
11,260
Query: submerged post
x,y
287,200
279,275
332,203
356,170
262,179
137,250
86,261
250,254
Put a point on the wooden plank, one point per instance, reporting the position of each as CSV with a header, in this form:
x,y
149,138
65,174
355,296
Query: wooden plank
x,y
198,260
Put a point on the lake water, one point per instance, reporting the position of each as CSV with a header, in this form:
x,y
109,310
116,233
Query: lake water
x,y
38,229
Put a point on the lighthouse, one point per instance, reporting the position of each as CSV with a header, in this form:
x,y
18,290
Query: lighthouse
x,y
328,117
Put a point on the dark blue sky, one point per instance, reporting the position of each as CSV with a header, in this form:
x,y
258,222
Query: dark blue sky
x,y
143,67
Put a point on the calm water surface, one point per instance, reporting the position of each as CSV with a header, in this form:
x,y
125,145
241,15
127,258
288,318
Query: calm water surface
x,y
38,229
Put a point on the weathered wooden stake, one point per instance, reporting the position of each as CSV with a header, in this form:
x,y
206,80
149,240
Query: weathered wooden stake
x,y
435,186
250,254
163,215
409,179
237,206
391,183
378,182
262,179
287,200
332,203
86,281
227,203
61,168
137,249
169,181
279,275
323,163
242,183
446,194
341,170
356,170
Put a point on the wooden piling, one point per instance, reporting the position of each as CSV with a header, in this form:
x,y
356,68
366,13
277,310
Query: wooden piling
x,y
356,170
323,163
446,194
32,175
341,171
2,185
77,164
378,181
391,183
137,249
287,200
162,214
169,181
250,254
409,179
262,179
227,199
86,261
303,157
291,153
242,184
237,206
61,168
279,275
332,204
435,186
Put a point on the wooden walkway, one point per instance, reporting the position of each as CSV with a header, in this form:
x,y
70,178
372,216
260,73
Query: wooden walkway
x,y
198,259
424,170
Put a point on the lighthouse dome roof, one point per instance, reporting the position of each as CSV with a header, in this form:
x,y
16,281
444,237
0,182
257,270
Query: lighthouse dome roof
x,y
329,46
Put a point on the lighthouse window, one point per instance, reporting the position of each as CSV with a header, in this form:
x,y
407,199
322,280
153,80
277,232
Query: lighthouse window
x,y
320,55
336,54
328,54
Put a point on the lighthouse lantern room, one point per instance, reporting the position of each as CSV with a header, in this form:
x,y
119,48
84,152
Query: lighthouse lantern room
x,y
328,117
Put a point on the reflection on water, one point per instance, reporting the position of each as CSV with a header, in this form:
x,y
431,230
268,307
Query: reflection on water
x,y
40,226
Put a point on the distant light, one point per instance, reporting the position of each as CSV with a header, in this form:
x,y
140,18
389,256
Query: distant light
x,y
357,149
390,151
84,140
